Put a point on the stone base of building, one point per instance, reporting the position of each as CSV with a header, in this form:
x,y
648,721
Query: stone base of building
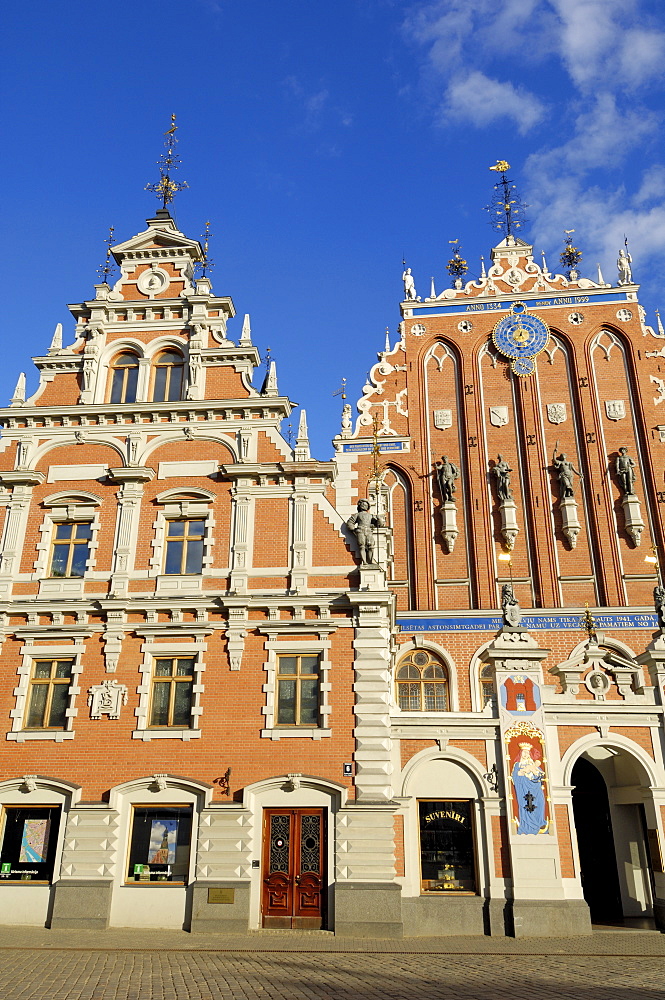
x,y
83,904
659,914
368,910
220,907
550,918
445,916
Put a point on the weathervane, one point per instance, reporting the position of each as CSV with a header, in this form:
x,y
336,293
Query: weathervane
x,y
166,189
107,267
456,266
206,264
506,208
570,256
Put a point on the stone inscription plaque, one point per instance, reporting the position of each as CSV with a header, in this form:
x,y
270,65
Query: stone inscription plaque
x,y
221,895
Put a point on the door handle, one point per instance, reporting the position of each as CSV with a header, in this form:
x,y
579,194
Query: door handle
x,y
297,879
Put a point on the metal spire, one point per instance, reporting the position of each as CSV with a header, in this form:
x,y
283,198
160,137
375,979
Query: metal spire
x,y
506,208
570,256
456,266
107,267
166,188
206,264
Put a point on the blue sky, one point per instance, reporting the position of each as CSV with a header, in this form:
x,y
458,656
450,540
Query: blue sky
x,y
324,142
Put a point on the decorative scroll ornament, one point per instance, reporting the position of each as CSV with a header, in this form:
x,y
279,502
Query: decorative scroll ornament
x,y
107,698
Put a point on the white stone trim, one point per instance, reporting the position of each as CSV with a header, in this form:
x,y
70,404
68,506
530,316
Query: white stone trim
x,y
31,652
60,513
275,647
151,651
172,509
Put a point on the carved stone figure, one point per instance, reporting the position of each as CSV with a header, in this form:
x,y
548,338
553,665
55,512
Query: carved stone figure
x,y
346,418
565,471
409,284
624,267
501,471
512,612
659,604
625,470
361,524
447,473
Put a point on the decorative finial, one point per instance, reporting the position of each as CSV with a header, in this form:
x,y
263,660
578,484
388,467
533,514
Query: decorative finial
x,y
588,624
166,188
302,452
56,341
246,335
570,255
19,392
107,267
206,264
456,266
506,208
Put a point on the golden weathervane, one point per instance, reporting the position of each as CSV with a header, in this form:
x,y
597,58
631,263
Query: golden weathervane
x,y
166,188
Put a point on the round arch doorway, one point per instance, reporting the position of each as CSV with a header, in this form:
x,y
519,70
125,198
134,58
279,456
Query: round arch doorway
x,y
610,823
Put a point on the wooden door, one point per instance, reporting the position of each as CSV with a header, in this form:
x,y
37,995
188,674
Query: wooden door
x,y
294,852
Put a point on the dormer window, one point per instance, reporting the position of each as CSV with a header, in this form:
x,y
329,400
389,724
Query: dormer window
x,y
124,378
167,385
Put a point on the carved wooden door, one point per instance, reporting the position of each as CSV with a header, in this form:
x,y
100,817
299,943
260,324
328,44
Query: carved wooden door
x,y
293,868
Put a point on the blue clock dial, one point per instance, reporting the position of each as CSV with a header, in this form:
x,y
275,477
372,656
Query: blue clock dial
x,y
523,366
520,334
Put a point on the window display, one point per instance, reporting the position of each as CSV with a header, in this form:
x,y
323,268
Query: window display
x,y
160,843
29,841
447,854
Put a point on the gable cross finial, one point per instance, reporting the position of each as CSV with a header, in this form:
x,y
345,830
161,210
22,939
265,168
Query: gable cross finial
x,y
166,188
506,207
206,264
107,267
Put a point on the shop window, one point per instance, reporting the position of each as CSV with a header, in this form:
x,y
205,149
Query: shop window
x,y
422,683
159,844
167,384
447,854
49,694
172,690
71,548
29,843
184,547
298,691
124,378
487,687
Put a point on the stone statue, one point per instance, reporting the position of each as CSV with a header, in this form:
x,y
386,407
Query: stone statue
x,y
565,471
447,473
512,612
346,418
501,470
409,285
361,524
659,604
624,266
625,470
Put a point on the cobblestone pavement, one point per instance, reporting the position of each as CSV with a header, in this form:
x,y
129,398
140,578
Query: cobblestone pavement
x,y
59,974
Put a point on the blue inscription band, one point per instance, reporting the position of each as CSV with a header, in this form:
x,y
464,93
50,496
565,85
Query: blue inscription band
x,y
440,308
365,446
491,623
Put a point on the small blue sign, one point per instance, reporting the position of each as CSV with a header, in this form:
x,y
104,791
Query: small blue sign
x,y
366,446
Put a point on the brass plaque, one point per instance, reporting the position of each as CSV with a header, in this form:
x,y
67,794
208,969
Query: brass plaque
x,y
221,895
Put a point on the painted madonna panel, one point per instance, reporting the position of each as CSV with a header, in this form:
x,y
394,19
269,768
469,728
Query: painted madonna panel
x,y
525,755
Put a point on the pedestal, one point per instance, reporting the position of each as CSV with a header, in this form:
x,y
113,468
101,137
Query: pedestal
x,y
632,513
509,526
570,524
449,530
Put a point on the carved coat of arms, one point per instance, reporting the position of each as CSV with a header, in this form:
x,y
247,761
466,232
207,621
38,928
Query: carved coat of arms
x,y
556,413
443,419
499,416
615,409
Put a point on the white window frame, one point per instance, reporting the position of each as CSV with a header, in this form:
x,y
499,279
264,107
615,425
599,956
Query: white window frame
x,y
66,511
280,647
174,510
31,652
166,650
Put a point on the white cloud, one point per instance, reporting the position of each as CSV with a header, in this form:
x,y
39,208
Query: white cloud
x,y
481,100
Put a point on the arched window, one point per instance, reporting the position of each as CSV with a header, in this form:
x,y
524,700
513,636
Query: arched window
x,y
487,687
167,385
422,683
124,378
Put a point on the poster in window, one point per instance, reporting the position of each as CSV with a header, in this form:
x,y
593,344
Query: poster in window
x,y
34,841
163,840
447,854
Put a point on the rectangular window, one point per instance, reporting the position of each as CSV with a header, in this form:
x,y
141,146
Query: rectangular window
x,y
29,841
172,689
298,690
184,547
159,844
71,548
49,694
447,853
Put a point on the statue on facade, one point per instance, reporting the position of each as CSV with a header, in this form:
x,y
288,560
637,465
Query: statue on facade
x,y
565,471
512,612
501,471
447,473
659,604
625,470
624,267
346,418
409,284
362,524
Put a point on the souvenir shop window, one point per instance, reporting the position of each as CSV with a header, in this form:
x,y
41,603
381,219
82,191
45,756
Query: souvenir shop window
x,y
159,844
29,843
447,850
